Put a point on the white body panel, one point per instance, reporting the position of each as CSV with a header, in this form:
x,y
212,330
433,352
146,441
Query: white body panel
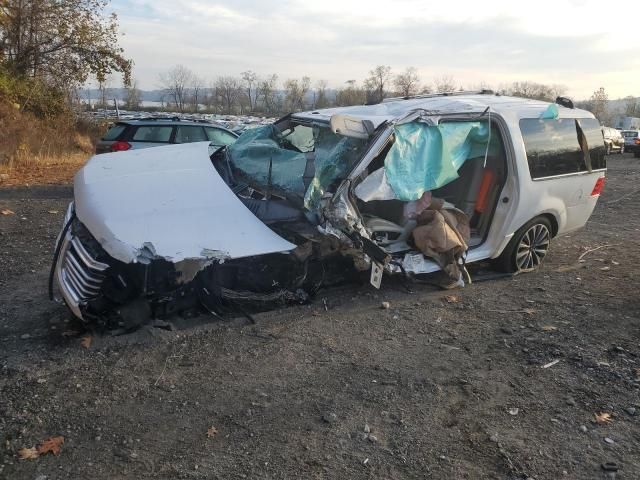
x,y
566,198
167,202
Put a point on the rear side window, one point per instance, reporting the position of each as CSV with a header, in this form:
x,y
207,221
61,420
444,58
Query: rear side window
x,y
189,134
114,132
153,133
591,129
220,137
553,145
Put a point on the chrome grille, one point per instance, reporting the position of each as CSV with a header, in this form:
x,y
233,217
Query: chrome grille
x,y
80,273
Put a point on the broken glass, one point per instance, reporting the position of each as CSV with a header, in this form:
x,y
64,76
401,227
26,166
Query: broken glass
x,y
261,155
334,158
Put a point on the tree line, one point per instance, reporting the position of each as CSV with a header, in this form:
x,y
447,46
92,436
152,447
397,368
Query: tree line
x,y
185,91
249,93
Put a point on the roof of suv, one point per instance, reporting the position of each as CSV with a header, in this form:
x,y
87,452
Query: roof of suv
x,y
170,121
442,104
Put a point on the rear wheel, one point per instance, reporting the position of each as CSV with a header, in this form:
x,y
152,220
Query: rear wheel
x,y
528,247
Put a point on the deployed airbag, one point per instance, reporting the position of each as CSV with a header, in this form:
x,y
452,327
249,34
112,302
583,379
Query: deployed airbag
x,y
426,157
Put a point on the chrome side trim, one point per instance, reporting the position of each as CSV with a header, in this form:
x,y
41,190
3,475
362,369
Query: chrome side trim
x,y
573,174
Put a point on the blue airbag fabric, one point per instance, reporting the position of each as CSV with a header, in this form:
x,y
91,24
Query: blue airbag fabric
x,y
425,158
258,148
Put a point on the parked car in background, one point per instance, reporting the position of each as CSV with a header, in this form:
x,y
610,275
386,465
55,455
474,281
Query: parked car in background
x,y
155,132
632,141
405,187
613,140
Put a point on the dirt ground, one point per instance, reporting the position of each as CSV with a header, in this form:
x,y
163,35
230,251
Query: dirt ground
x,y
430,388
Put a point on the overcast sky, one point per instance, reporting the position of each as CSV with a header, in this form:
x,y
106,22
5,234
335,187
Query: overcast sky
x,y
582,44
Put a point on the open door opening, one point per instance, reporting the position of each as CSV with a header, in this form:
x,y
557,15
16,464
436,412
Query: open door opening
x,y
472,196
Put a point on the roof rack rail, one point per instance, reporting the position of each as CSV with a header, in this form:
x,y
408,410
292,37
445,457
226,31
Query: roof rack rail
x,y
172,119
442,94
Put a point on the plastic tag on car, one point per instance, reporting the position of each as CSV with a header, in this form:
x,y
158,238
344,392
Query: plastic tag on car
x,y
376,274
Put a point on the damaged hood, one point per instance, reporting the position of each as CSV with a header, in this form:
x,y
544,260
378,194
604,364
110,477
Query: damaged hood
x,y
167,202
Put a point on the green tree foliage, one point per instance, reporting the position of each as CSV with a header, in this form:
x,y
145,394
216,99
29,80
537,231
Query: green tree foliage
x,y
60,42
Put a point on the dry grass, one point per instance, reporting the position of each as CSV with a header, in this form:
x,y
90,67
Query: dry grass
x,y
43,170
37,151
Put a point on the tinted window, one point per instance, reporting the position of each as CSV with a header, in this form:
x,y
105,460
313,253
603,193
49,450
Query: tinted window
x,y
219,137
190,134
153,133
553,146
591,129
114,132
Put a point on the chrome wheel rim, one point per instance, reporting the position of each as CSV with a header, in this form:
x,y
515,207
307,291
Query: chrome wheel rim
x,y
533,247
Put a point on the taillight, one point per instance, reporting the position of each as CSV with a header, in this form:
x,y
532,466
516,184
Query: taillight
x,y
637,141
120,146
597,190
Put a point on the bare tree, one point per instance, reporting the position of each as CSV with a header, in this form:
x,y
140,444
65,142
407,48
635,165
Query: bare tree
x,y
210,97
250,79
537,91
295,93
377,81
175,82
444,84
599,105
351,94
195,92
408,82
266,92
106,92
134,96
229,90
320,99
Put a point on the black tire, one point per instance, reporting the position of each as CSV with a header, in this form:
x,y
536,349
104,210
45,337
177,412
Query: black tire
x,y
528,247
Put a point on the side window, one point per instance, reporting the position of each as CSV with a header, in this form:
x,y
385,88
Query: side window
x,y
593,134
114,132
552,146
219,137
190,134
153,133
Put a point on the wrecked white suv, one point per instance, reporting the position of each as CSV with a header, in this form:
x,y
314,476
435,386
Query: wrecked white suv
x,y
405,187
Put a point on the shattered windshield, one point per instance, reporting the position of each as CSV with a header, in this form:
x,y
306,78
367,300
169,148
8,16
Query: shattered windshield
x,y
300,162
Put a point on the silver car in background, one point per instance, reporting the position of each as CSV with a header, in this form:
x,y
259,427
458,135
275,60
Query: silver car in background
x,y
632,141
156,132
